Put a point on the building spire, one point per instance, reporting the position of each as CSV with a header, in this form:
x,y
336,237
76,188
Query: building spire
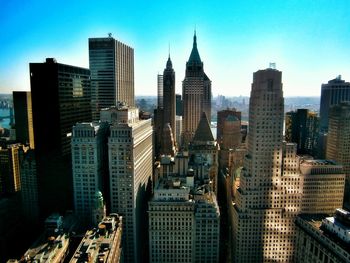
x,y
169,64
194,57
169,51
195,38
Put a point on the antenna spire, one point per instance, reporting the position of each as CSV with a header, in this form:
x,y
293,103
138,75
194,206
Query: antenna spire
x,y
169,50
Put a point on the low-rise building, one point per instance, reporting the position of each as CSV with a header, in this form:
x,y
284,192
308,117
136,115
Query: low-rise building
x,y
102,244
323,239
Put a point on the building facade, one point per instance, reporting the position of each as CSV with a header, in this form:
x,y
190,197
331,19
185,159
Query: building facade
x,y
321,180
29,184
323,239
10,180
332,93
164,115
60,98
112,74
221,119
302,128
130,157
184,224
169,97
338,141
22,104
89,163
268,197
160,91
196,95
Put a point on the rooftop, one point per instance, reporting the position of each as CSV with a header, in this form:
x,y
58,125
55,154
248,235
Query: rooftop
x,y
96,246
317,162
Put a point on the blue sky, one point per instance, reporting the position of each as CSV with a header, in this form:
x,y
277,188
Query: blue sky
x,y
308,40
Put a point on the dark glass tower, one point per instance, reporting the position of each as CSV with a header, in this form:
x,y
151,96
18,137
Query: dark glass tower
x,y
112,74
60,98
332,93
196,94
301,127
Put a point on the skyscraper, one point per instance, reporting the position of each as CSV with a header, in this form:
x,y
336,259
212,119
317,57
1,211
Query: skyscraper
x,y
332,93
29,184
301,127
169,97
184,217
10,181
338,142
89,163
130,155
60,99
112,74
22,103
269,194
196,94
165,113
221,119
160,91
179,105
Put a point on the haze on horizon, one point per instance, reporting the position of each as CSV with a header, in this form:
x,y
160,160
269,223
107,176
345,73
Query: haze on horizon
x,y
308,40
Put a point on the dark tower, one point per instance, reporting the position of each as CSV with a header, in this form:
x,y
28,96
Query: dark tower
x,y
169,96
196,94
60,98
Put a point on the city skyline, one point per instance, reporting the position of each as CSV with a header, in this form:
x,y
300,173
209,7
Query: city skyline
x,y
307,40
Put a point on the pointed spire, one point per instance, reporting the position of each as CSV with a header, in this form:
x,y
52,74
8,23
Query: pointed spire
x,y
194,57
195,38
169,51
203,132
169,64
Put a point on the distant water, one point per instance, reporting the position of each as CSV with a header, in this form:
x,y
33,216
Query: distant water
x,y
5,123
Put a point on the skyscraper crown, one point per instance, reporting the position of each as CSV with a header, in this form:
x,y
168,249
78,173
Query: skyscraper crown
x,y
194,57
169,64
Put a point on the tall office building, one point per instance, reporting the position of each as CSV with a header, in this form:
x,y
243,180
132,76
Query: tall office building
x,y
332,93
165,113
89,164
60,98
112,74
221,119
130,155
169,96
160,91
22,103
301,127
338,142
196,95
184,217
179,105
268,198
10,181
178,120
29,184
